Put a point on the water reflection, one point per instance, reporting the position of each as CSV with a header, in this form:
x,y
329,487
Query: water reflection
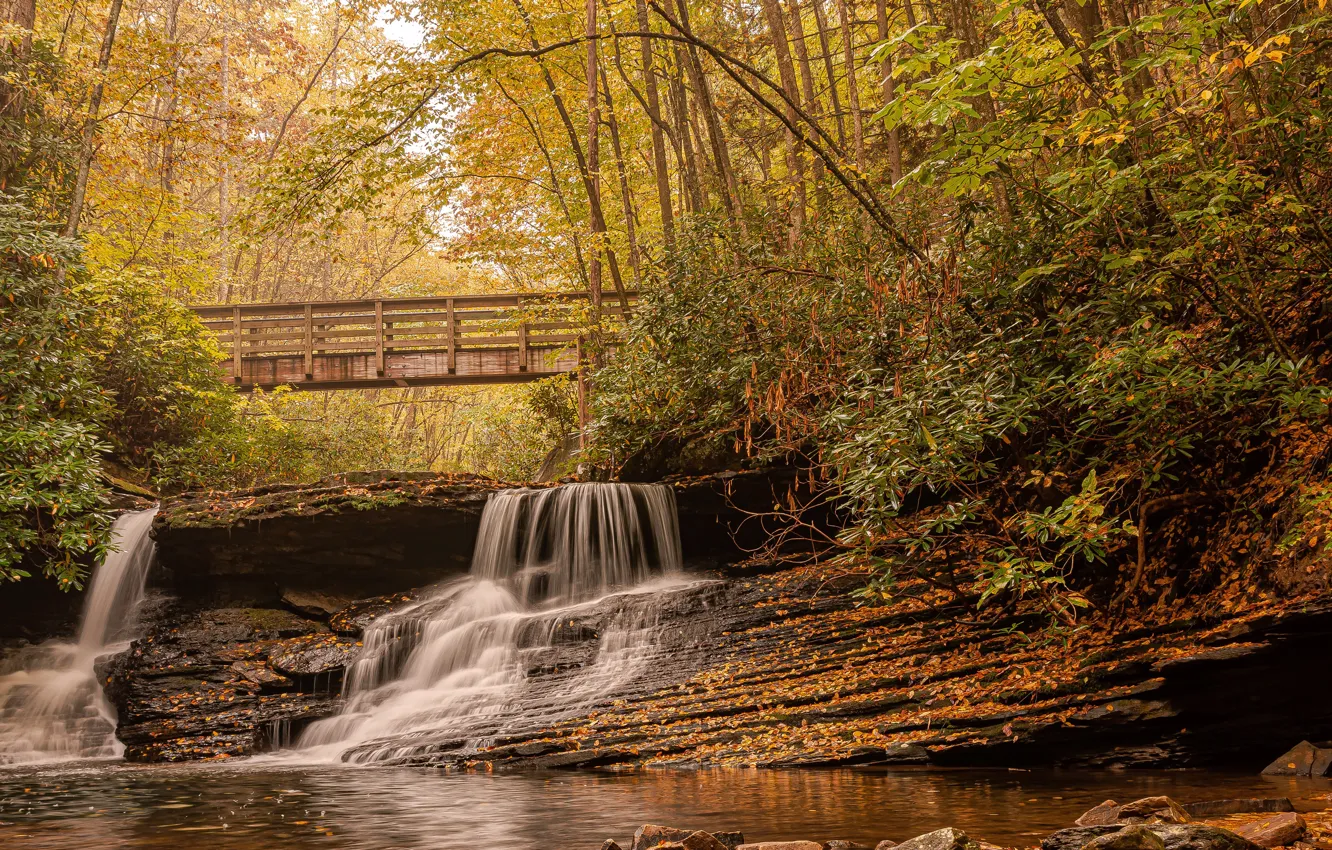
x,y
250,806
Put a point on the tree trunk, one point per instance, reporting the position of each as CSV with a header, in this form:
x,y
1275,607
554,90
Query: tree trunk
x,y
168,172
659,164
14,56
821,21
889,93
797,25
594,163
844,12
593,196
795,163
626,197
680,115
224,181
721,156
90,123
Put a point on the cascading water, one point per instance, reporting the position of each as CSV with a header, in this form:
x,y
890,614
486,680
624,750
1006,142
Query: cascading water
x,y
51,702
452,671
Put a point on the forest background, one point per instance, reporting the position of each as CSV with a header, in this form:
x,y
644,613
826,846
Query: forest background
x,y
1009,282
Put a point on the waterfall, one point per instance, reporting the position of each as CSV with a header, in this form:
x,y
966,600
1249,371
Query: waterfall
x,y
552,569
51,702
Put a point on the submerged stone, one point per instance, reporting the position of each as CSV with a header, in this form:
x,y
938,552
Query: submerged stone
x,y
1220,808
1279,831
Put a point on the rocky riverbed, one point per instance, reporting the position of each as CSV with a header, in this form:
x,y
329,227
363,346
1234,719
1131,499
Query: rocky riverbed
x,y
1151,823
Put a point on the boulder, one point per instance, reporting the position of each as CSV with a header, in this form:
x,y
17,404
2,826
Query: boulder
x,y
259,675
1196,836
885,845
649,835
947,838
839,844
610,844
1135,837
1153,810
1102,815
1220,808
1303,759
1174,836
1075,838
314,604
702,841
1280,831
782,845
732,840
313,656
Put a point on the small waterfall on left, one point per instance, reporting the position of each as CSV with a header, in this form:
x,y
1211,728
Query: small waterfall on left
x,y
51,702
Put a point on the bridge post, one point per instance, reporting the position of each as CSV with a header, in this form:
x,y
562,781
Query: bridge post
x,y
522,347
309,342
379,338
449,333
236,344
582,394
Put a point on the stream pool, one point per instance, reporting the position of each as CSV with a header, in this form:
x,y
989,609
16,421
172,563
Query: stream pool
x,y
252,805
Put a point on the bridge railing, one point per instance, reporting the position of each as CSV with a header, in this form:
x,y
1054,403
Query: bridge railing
x,y
384,327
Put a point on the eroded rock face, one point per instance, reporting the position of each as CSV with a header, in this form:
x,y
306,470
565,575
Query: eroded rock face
x,y
201,684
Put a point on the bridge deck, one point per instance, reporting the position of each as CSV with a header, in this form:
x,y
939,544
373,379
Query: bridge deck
x,y
403,342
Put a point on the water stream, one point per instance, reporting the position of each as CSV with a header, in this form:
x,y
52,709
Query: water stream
x,y
51,703
550,567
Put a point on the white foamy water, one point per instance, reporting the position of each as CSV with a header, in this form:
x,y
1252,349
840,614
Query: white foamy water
x,y
51,703
551,569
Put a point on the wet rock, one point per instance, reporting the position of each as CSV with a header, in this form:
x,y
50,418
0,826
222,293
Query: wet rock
x,y
731,840
610,844
845,845
308,658
782,845
1153,810
1220,808
1303,759
1137,837
1103,815
1175,836
1199,837
885,845
354,619
649,835
702,841
260,675
1075,838
947,838
1279,831
314,604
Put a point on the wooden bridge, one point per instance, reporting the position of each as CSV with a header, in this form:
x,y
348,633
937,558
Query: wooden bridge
x,y
404,342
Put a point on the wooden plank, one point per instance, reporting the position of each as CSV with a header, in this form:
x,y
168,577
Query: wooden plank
x,y
522,348
236,344
309,342
379,338
453,352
